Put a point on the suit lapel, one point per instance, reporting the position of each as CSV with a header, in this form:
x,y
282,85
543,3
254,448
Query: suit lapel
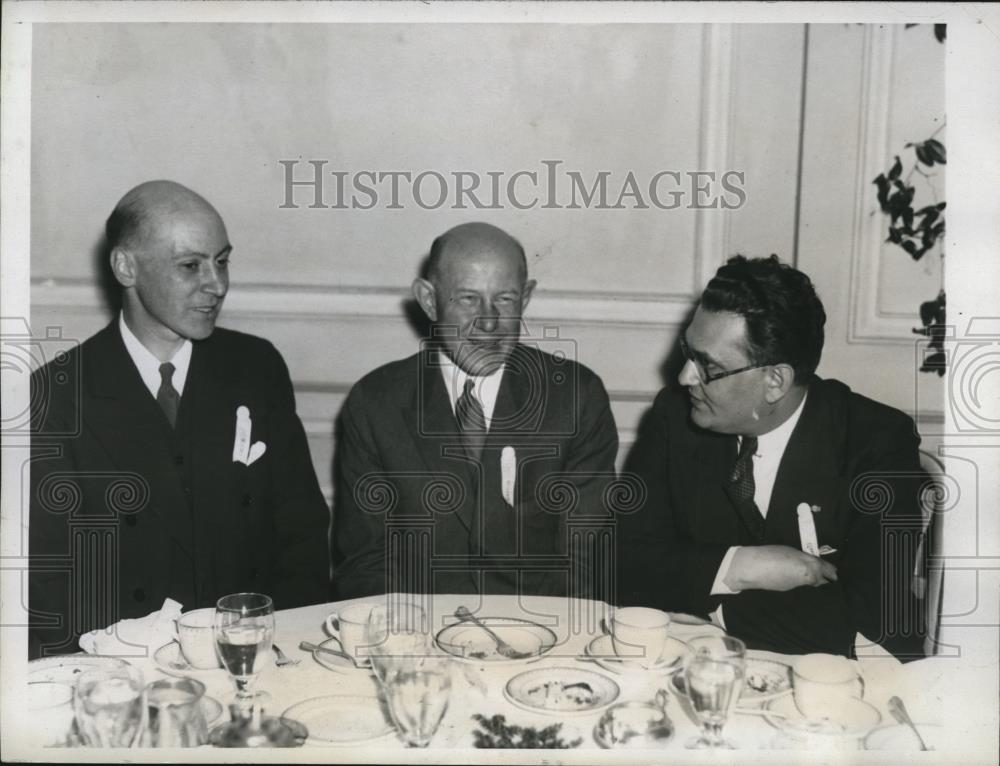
x,y
809,471
209,407
434,431
125,418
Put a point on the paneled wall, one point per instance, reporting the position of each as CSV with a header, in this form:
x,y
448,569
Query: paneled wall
x,y
800,112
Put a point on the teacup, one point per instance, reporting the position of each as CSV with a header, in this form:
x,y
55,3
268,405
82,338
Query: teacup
x,y
639,633
822,683
349,627
197,640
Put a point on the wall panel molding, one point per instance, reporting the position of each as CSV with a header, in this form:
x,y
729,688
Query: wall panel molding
x,y
308,302
868,323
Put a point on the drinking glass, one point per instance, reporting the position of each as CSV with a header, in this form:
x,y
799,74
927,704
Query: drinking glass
x,y
395,634
417,691
244,631
714,675
110,707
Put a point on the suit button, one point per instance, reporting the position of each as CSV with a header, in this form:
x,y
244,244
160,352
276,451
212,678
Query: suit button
x,y
131,521
139,594
179,460
247,501
254,573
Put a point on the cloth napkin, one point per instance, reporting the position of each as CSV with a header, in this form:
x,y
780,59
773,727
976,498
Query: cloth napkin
x,y
134,638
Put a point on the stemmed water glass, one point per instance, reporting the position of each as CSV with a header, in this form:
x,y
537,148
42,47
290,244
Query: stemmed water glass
x,y
244,631
415,679
714,675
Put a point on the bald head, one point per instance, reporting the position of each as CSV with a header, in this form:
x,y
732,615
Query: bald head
x,y
137,214
476,287
469,240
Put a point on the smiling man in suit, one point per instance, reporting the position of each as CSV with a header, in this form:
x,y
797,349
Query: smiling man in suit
x,y
466,467
751,443
171,462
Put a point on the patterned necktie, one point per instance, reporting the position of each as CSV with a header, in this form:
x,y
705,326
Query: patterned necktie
x,y
741,489
167,397
742,475
471,421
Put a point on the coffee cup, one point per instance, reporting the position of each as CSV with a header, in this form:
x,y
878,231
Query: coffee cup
x,y
639,633
197,639
349,627
824,683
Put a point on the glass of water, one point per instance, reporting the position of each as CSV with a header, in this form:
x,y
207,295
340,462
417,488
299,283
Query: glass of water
x,y
417,691
714,674
110,707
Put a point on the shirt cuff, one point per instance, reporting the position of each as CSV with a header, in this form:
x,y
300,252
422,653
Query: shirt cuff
x,y
719,587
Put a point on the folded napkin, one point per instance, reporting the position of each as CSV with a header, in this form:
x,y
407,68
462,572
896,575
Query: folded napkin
x,y
134,638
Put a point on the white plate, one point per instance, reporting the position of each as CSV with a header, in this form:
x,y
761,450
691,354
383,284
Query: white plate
x,y
602,651
561,691
65,669
852,719
467,641
337,663
171,661
341,719
902,739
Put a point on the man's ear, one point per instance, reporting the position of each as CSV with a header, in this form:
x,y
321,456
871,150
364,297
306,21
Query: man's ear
x,y
123,266
780,379
426,296
529,288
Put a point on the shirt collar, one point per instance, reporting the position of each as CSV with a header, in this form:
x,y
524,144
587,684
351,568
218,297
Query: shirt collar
x,y
486,387
774,442
149,366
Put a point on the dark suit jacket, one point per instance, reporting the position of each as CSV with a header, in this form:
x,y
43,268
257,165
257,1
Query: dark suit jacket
x,y
414,514
854,458
126,511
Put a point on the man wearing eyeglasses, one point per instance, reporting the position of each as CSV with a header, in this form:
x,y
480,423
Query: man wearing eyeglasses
x,y
761,482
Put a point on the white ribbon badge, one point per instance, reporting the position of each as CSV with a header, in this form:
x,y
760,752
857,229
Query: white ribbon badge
x,y
243,451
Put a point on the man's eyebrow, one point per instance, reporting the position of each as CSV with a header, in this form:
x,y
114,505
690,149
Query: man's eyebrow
x,y
701,356
198,254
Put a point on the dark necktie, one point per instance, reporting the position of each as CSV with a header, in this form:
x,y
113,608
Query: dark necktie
x,y
471,421
167,397
742,487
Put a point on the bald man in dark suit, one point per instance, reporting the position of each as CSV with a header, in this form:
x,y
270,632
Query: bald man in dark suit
x,y
480,464
169,462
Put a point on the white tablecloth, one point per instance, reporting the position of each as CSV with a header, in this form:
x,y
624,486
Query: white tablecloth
x,y
919,684
575,628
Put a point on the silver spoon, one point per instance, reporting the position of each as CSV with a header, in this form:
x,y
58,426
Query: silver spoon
x,y
503,648
307,647
898,711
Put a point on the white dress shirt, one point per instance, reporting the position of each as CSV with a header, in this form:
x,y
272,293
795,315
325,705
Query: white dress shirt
x,y
770,449
149,366
485,388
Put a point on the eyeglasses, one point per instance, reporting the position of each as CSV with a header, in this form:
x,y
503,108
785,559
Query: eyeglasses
x,y
704,376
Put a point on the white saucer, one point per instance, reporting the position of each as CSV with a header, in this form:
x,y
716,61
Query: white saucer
x,y
338,663
171,661
602,651
902,739
558,691
341,719
852,719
